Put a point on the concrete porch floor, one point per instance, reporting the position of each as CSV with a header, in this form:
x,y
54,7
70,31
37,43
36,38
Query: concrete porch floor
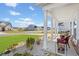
x,y
38,51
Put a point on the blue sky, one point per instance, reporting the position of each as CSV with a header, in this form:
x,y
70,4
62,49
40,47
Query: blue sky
x,y
22,14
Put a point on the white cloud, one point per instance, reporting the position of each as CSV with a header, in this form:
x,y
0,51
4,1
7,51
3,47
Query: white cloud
x,y
5,19
11,4
26,19
49,23
41,24
31,8
24,22
14,13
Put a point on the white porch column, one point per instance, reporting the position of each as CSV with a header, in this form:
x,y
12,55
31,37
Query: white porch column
x,y
52,24
53,28
77,32
56,28
45,31
72,28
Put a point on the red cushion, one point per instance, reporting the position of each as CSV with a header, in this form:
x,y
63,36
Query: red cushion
x,y
61,41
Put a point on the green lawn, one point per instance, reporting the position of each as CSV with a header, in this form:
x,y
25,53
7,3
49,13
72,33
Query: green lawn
x,y
7,41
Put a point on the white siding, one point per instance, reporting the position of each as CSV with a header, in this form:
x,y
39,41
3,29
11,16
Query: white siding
x,y
65,27
8,27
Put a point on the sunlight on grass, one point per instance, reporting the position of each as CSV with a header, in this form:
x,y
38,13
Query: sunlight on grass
x,y
7,41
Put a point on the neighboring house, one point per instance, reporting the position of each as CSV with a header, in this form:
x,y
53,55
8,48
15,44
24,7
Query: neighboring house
x,y
39,28
0,28
31,27
5,26
36,28
8,28
42,28
60,26
64,26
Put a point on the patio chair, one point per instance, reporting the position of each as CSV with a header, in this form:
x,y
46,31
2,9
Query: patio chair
x,y
67,41
63,42
60,41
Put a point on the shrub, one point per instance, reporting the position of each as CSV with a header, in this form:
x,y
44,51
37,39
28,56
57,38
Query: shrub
x,y
15,44
27,54
7,52
38,42
30,42
17,54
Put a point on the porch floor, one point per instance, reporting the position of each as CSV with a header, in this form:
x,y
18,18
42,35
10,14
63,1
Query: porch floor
x,y
38,51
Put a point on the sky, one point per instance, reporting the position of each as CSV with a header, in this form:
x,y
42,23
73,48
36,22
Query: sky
x,y
22,14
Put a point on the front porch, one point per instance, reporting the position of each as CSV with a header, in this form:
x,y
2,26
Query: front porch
x,y
64,13
67,14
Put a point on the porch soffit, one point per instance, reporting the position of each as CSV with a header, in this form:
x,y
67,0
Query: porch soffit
x,y
62,11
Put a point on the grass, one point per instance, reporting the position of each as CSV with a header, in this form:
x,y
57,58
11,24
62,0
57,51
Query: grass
x,y
7,41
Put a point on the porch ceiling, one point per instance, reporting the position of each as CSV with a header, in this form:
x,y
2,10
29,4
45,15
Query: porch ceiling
x,y
49,6
62,11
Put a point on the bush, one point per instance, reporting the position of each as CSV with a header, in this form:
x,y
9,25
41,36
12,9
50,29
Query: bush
x,y
1,54
27,54
30,42
15,44
7,52
38,41
17,54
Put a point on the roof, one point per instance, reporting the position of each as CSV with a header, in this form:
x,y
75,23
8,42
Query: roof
x,y
7,23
